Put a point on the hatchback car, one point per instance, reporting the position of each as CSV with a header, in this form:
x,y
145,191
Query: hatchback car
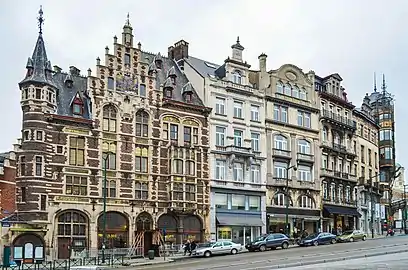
x,y
217,248
351,236
318,239
269,241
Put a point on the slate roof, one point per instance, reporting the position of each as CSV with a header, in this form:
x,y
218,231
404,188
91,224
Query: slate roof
x,y
204,68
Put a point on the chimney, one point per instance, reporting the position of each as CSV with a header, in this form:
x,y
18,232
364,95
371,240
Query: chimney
x,y
57,69
262,62
179,51
74,71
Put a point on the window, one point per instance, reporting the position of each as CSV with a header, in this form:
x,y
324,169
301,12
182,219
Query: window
x,y
324,134
220,106
38,93
375,160
238,138
306,202
256,174
190,167
187,135
22,166
254,203
280,142
25,94
39,136
220,136
178,192
221,200
254,113
280,113
165,134
386,135
348,194
295,92
369,157
340,194
109,155
279,169
220,166
23,194
195,135
386,153
237,77
238,109
77,108
141,191
26,135
333,191
111,83
304,173
111,189
255,141
77,151
59,149
173,132
76,185
127,59
142,90
288,90
324,162
141,159
142,124
362,154
190,192
325,191
168,92
303,94
238,202
238,172
281,199
304,119
304,147
279,88
38,166
178,166
109,118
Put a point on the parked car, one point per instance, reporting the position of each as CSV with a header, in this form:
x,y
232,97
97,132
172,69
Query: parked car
x,y
269,241
351,236
318,239
217,248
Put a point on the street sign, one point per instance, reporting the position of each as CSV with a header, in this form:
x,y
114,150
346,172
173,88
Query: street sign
x,y
5,224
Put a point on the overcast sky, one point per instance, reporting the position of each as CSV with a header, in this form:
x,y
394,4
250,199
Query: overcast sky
x,y
352,38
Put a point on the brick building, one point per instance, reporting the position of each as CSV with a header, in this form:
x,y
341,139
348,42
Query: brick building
x,y
7,184
139,117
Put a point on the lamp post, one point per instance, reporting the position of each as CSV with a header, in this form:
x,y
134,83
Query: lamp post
x,y
105,157
287,199
372,202
404,211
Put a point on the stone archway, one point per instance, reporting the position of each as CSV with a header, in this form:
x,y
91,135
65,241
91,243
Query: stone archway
x,y
168,225
144,232
28,247
117,230
72,232
193,228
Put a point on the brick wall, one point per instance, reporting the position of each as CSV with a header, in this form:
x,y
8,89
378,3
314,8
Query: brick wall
x,y
7,188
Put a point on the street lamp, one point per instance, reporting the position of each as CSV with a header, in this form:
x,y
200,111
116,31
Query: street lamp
x,y
404,212
372,203
287,199
105,157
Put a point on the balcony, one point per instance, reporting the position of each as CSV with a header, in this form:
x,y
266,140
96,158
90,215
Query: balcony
x,y
386,162
231,184
337,201
279,182
305,157
237,150
281,153
338,119
339,148
337,174
237,87
306,185
293,100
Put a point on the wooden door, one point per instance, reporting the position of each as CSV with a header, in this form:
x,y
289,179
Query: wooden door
x,y
63,248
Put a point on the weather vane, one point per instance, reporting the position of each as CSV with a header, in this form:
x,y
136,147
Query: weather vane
x,y
40,19
128,19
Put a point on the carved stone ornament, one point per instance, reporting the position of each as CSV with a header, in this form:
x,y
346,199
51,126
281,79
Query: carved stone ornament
x,y
291,76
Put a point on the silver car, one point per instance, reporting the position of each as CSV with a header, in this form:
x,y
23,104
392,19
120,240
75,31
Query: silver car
x,y
216,248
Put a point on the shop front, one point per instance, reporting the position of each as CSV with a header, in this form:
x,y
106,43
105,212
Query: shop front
x,y
338,219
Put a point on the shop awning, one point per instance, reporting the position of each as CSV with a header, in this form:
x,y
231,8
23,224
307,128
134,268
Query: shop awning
x,y
341,210
240,220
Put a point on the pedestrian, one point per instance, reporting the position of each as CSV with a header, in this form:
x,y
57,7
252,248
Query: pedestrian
x,y
187,247
193,246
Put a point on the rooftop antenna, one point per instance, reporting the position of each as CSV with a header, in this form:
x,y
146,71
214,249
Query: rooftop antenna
x,y
40,19
375,82
384,86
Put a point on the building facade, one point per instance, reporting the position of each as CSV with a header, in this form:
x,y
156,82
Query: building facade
x,y
292,145
134,132
238,147
368,173
339,165
7,183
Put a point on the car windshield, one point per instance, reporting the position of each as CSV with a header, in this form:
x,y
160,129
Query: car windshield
x,y
348,232
312,236
205,245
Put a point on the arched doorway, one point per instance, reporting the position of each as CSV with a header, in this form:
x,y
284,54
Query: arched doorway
x,y
144,231
72,232
28,247
168,225
117,230
193,229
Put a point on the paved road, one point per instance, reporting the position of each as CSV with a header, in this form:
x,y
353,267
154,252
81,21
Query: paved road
x,y
293,257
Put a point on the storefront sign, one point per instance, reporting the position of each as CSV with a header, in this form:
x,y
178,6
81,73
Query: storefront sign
x,y
71,199
76,131
115,201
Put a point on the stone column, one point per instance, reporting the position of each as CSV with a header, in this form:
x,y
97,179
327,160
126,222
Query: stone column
x,y
180,229
93,234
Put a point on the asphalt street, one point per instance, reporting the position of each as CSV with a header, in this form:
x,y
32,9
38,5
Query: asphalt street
x,y
302,258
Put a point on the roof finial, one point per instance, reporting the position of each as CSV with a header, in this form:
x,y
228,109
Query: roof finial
x,y
238,39
128,19
375,82
384,86
40,19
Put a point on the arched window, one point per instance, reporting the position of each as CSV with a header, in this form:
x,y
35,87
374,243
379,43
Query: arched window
x,y
303,94
109,155
280,142
142,124
141,159
295,92
279,88
190,167
348,194
336,138
340,194
304,147
72,228
306,202
109,118
178,166
288,90
280,199
324,134
333,191
237,77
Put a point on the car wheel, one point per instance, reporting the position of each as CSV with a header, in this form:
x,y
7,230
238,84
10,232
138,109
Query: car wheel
x,y
351,239
285,245
315,243
262,248
364,238
207,254
333,241
234,251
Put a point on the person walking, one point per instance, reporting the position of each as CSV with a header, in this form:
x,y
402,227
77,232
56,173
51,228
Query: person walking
x,y
193,246
187,247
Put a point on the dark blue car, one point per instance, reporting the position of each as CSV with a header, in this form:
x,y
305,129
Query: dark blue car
x,y
318,239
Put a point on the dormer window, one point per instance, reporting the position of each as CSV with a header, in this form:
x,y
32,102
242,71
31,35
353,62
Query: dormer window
x,y
237,77
77,105
188,97
127,59
168,93
158,64
77,109
173,79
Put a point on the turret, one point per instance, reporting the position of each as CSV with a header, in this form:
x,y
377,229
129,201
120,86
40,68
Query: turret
x,y
127,34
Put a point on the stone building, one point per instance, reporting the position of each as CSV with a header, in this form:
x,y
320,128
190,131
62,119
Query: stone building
x,y
238,146
368,173
134,130
292,145
339,155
